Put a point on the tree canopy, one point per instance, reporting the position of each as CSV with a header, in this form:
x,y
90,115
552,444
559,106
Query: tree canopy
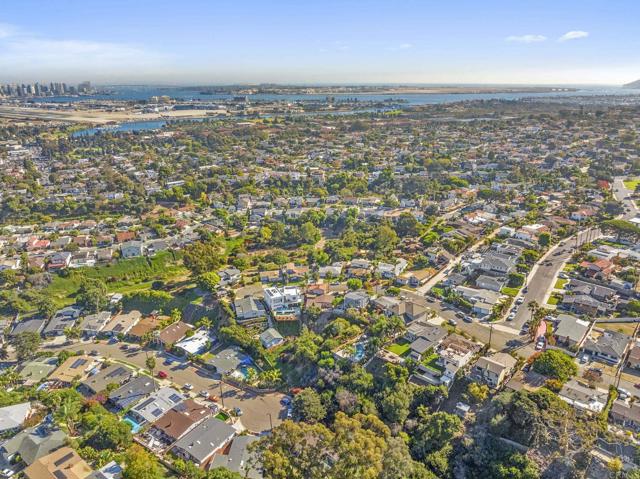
x,y
555,364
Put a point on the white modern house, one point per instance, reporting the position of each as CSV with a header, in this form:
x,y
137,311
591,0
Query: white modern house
x,y
280,299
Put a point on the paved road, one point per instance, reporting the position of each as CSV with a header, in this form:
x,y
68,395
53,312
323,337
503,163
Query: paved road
x,y
620,192
502,337
542,278
255,408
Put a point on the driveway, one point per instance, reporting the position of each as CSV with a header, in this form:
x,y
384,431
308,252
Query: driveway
x,y
255,407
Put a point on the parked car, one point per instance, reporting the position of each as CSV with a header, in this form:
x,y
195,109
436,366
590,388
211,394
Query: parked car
x,y
623,393
467,318
204,393
520,300
285,401
540,344
453,322
162,375
94,352
237,411
511,316
187,386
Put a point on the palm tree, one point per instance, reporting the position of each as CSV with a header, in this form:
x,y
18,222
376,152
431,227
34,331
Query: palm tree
x,y
205,322
534,322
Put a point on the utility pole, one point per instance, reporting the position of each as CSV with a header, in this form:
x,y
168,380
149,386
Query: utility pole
x,y
490,334
221,396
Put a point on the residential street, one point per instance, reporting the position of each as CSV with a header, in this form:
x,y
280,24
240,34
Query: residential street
x,y
543,276
620,192
502,337
255,408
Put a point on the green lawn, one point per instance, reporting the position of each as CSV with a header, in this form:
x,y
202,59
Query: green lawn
x,y
631,184
430,362
223,416
569,267
513,292
400,347
560,283
554,299
125,276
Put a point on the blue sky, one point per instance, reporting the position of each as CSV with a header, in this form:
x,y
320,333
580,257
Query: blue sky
x,y
329,41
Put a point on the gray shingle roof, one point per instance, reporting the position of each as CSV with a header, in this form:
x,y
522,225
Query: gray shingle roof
x,y
205,439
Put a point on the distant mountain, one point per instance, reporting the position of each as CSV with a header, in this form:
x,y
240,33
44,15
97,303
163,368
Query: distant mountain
x,y
634,84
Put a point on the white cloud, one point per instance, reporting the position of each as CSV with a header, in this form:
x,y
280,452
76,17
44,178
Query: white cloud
x,y
402,46
573,35
31,56
7,30
526,38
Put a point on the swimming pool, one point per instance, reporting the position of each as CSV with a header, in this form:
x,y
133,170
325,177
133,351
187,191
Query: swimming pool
x,y
358,353
135,427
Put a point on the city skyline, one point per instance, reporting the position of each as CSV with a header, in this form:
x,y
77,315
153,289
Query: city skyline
x,y
331,43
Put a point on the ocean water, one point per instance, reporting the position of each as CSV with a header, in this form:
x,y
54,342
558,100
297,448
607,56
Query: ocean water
x,y
137,93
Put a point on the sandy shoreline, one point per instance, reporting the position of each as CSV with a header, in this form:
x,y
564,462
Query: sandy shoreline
x,y
96,117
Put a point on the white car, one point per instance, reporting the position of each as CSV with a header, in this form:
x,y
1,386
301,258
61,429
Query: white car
x,y
204,393
520,300
511,316
187,386
539,345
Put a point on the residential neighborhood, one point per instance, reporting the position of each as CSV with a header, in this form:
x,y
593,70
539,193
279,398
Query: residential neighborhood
x,y
202,298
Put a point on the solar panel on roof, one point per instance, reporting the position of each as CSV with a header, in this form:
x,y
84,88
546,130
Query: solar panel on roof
x,y
175,397
78,362
59,475
156,412
117,372
63,459
144,404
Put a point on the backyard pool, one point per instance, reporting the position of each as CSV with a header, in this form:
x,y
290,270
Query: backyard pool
x,y
358,352
135,427
242,371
